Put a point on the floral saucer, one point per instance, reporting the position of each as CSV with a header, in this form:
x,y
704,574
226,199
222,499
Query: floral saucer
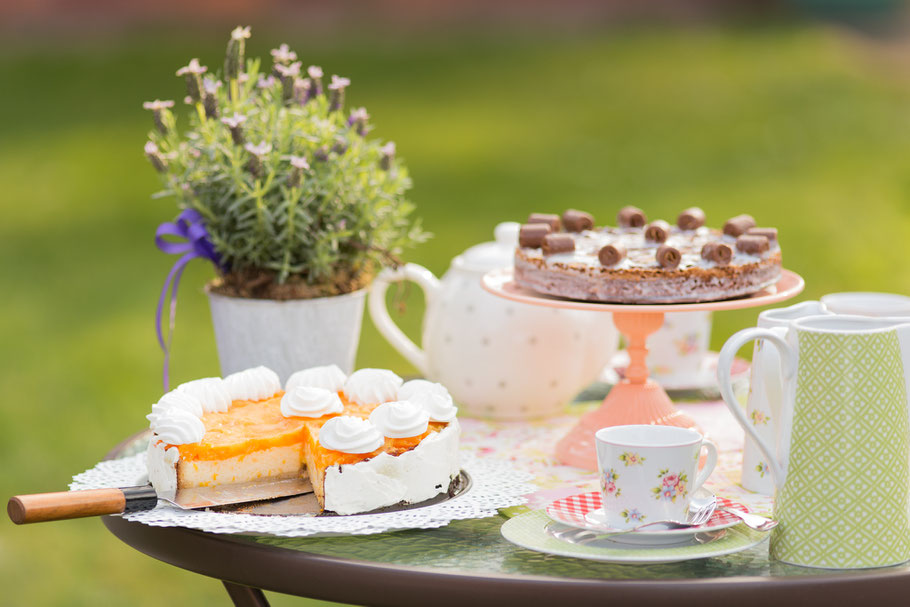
x,y
583,511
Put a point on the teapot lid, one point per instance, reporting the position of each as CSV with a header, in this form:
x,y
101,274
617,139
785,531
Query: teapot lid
x,y
495,254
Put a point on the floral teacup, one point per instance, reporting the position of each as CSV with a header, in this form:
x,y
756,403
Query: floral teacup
x,y
646,472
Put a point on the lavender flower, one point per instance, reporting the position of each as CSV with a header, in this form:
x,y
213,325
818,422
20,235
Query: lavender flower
x,y
159,108
388,155
322,154
337,87
300,165
315,74
254,165
210,96
302,88
193,73
358,121
154,155
283,55
236,48
288,75
340,146
235,123
266,82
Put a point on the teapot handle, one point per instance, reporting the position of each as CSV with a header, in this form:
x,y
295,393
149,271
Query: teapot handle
x,y
788,369
380,314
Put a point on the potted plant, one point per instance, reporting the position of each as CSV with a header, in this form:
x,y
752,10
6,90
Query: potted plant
x,y
283,190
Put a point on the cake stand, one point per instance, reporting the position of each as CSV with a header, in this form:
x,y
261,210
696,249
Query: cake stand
x,y
636,399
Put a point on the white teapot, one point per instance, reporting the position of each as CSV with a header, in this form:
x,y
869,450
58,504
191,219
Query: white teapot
x,y
499,359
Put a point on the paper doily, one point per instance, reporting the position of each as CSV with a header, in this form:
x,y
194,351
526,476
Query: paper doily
x,y
495,484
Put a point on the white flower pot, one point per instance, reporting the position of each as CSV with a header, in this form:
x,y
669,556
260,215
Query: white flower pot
x,y
287,336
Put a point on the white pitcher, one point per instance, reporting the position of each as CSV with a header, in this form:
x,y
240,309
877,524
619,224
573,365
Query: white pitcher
x,y
842,465
498,358
764,406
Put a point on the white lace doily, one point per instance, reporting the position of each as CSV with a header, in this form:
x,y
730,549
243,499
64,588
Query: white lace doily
x,y
495,484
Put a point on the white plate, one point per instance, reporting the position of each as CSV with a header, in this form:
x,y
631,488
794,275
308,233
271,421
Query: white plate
x,y
529,531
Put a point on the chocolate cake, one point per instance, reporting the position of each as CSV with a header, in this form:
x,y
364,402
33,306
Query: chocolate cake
x,y
642,262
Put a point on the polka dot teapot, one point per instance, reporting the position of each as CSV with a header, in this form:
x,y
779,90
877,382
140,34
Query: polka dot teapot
x,y
498,358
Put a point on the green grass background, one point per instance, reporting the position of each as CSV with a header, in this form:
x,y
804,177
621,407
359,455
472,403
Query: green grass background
x,y
807,127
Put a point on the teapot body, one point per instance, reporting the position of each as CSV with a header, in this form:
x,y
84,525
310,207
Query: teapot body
x,y
842,463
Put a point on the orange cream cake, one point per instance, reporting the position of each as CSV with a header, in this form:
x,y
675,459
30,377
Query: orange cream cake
x,y
366,441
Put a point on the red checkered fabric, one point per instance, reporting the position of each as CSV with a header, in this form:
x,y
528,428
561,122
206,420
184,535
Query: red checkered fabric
x,y
572,510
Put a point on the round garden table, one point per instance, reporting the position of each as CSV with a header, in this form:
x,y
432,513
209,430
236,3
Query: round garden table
x,y
468,562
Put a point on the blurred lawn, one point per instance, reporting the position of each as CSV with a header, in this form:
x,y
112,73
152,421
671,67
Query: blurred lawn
x,y
804,127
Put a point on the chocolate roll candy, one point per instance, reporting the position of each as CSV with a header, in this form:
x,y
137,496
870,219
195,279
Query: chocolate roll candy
x,y
611,254
657,231
668,257
550,220
738,225
691,219
532,234
558,243
631,217
752,244
718,252
769,233
577,221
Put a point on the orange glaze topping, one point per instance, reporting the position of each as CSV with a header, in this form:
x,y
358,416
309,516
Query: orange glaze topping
x,y
325,458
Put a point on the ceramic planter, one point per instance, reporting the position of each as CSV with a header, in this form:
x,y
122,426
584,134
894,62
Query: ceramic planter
x,y
287,336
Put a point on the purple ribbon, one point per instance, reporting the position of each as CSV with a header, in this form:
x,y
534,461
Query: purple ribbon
x,y
190,227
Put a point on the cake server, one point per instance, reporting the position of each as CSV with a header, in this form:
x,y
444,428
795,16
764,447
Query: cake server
x,y
41,507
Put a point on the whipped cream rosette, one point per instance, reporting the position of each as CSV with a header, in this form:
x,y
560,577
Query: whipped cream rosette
x,y
350,434
253,384
212,392
177,427
178,400
305,401
328,377
370,386
400,419
415,386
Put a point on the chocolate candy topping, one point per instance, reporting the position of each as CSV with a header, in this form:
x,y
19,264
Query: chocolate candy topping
x,y
532,234
691,219
611,254
718,252
577,221
668,257
550,220
752,244
631,217
558,243
769,233
738,225
657,231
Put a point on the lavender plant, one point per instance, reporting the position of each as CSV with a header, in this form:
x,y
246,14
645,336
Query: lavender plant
x,y
298,201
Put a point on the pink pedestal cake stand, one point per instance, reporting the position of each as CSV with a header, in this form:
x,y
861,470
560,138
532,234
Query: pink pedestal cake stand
x,y
635,399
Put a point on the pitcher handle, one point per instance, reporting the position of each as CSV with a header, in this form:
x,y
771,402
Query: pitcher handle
x,y
724,368
380,314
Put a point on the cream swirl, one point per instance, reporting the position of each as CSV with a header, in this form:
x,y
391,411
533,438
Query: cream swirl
x,y
329,377
350,435
438,406
176,399
305,401
212,392
416,386
372,386
177,427
256,383
400,419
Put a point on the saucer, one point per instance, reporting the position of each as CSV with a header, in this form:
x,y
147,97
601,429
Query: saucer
x,y
705,378
529,531
583,511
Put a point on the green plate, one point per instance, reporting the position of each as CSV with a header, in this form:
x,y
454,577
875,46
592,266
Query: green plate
x,y
529,531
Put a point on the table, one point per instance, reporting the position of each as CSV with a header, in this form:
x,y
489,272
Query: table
x,y
468,561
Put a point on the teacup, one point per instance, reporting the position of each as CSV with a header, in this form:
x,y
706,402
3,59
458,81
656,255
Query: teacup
x,y
867,304
676,352
646,473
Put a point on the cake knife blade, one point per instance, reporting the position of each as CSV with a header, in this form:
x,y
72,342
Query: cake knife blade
x,y
41,507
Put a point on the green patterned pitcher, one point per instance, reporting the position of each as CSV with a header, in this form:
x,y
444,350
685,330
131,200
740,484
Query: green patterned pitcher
x,y
842,465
